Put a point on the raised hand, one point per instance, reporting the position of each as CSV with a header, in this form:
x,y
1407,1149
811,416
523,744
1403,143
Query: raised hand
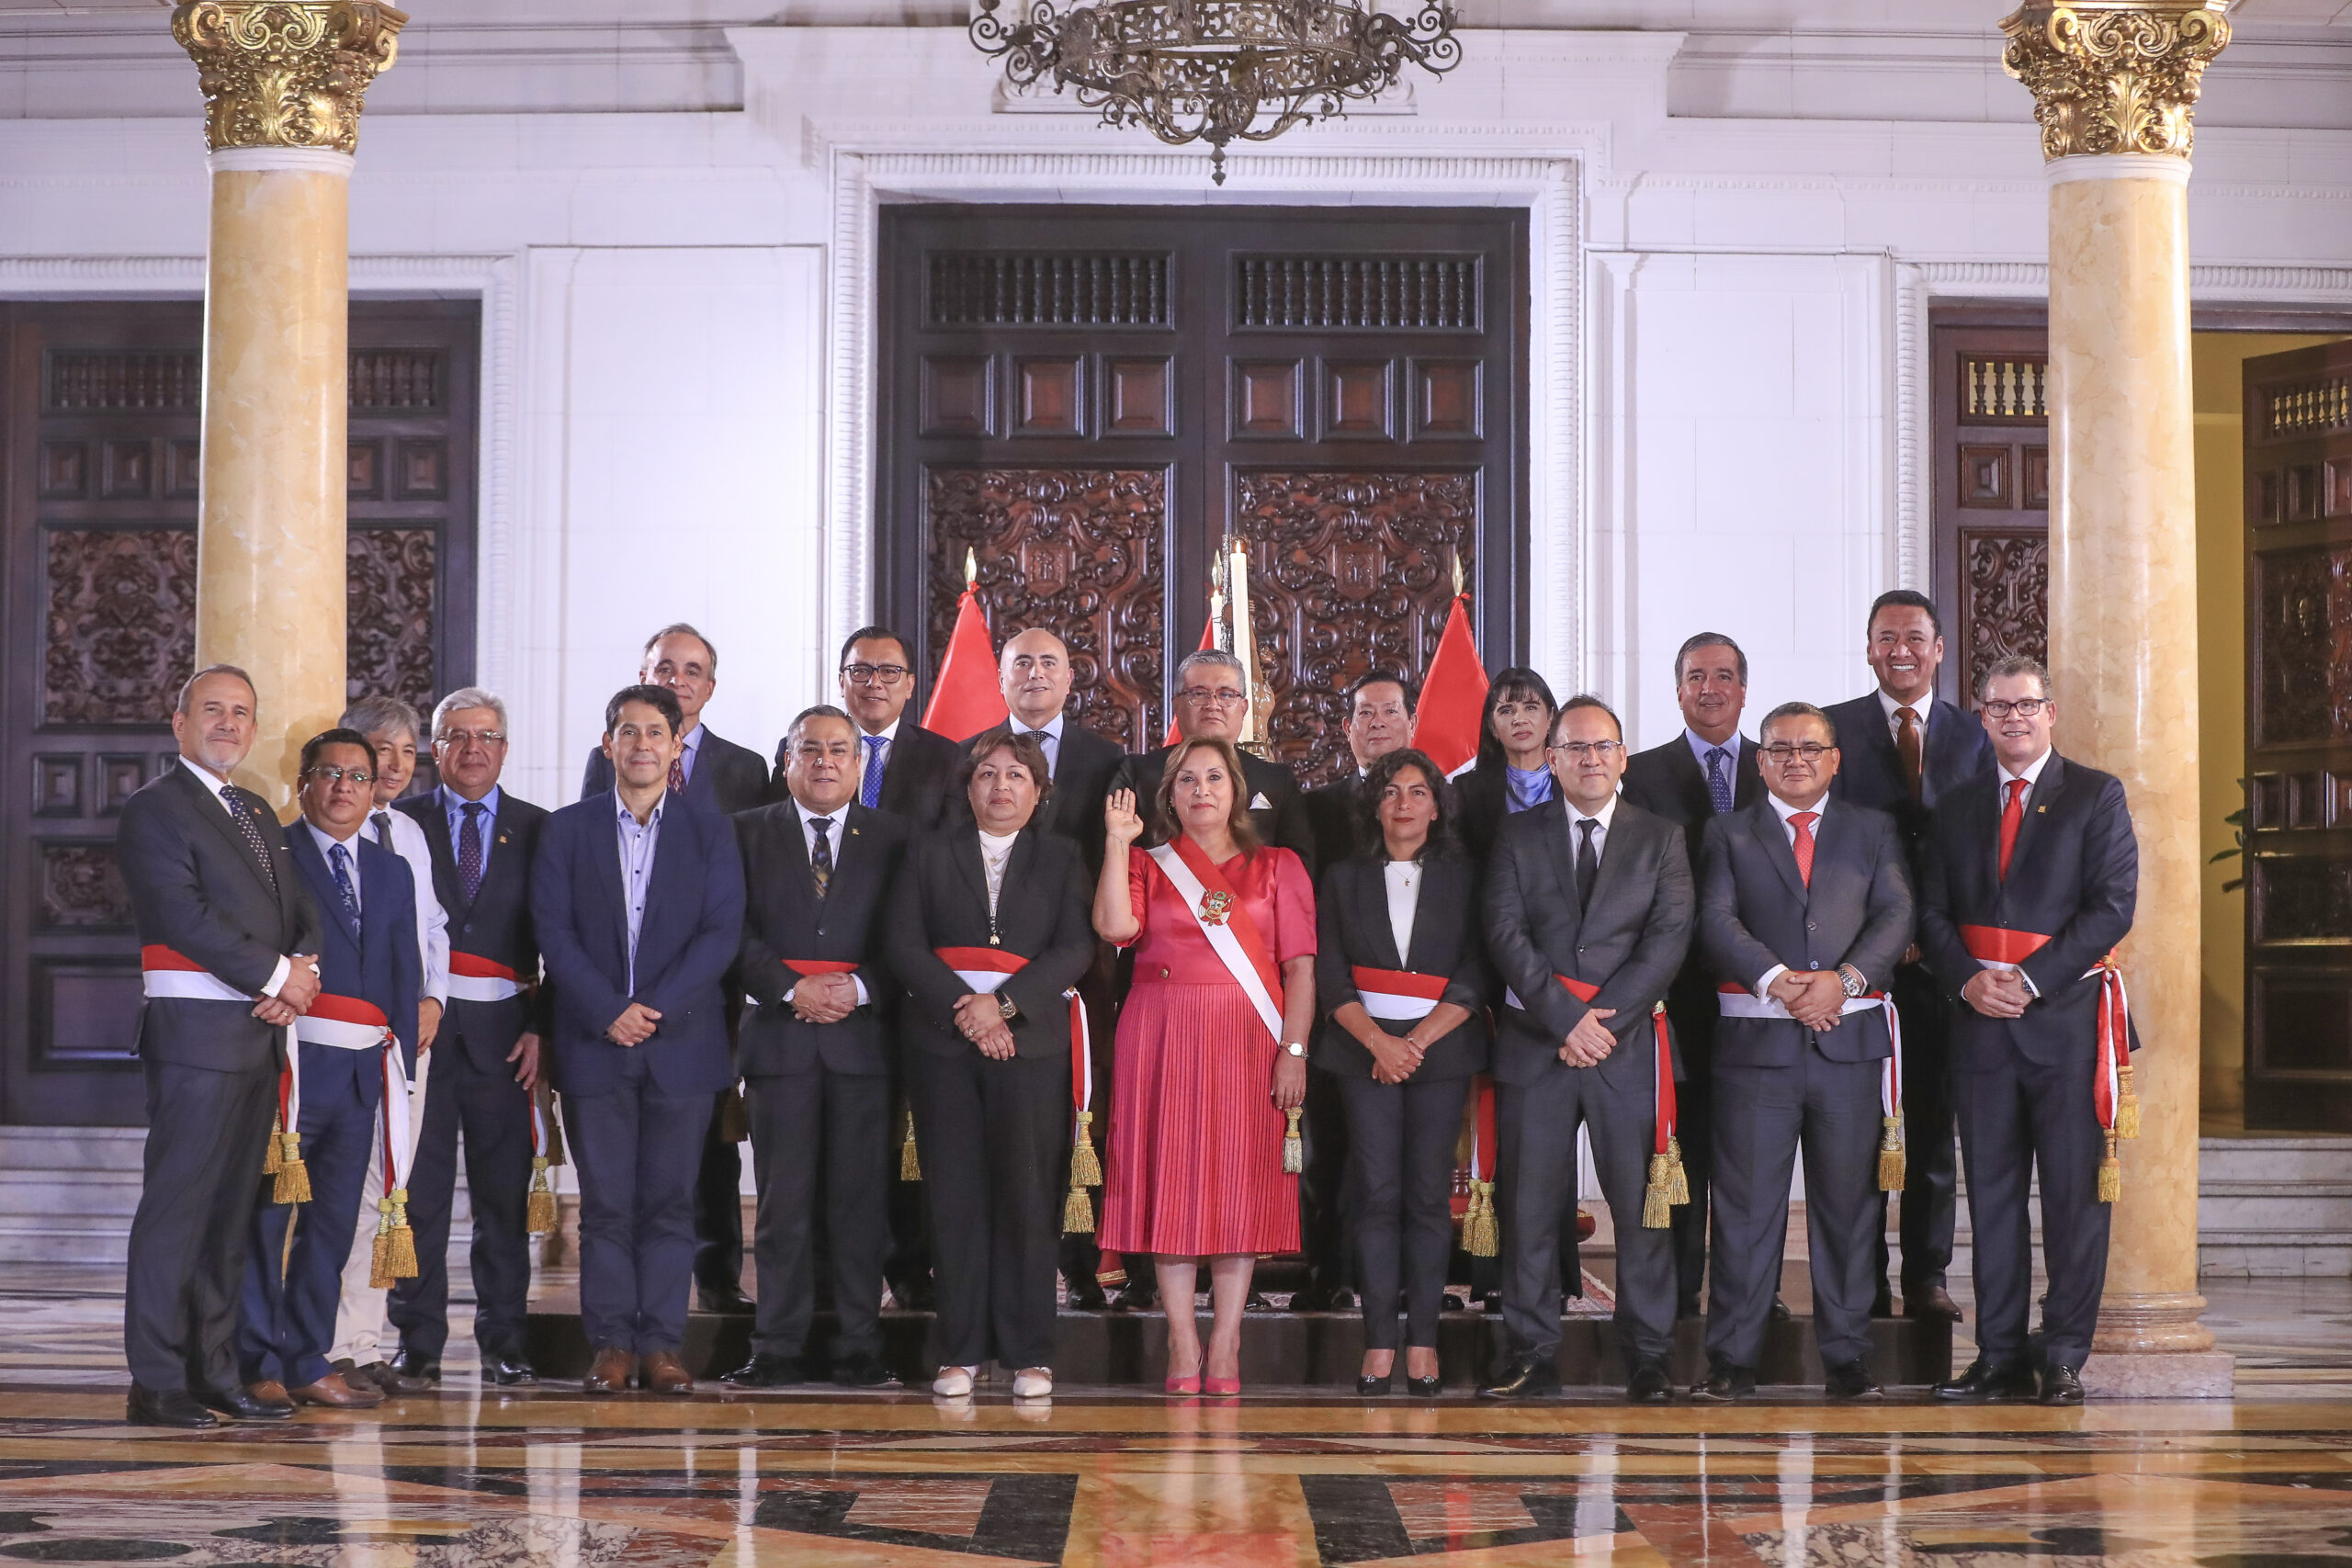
x,y
1120,819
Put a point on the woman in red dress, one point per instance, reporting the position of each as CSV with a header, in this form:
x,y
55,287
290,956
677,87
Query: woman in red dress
x,y
1211,1046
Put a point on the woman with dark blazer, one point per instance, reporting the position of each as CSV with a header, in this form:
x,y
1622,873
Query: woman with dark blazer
x,y
1402,976
990,930
1513,770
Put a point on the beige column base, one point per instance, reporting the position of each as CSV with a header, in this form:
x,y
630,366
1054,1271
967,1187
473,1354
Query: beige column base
x,y
2152,1347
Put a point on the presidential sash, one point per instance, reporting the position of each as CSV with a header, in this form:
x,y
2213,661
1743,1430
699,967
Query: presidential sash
x,y
473,978
2117,1107
1232,935
1735,1000
1397,994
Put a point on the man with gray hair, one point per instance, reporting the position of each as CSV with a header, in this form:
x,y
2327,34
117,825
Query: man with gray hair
x,y
1211,701
391,727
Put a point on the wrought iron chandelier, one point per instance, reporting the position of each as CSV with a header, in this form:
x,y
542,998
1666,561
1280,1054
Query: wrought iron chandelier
x,y
1214,70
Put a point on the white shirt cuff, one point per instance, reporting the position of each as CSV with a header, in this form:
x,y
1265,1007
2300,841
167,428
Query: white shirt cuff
x,y
2027,980
862,997
277,976
1764,986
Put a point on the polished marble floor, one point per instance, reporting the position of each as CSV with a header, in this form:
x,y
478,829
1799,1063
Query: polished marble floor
x,y
1290,1477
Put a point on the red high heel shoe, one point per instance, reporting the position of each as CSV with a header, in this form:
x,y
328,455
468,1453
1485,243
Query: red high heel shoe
x,y
1222,1385
1189,1383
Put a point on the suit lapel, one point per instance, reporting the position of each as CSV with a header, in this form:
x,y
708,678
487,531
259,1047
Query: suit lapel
x,y
1765,823
1014,896
1437,896
1371,912
304,851
1561,837
1746,778
973,870
2038,801
216,812
608,876
1613,863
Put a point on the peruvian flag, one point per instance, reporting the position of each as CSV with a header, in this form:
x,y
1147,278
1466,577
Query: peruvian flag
x,y
1208,640
966,699
1454,697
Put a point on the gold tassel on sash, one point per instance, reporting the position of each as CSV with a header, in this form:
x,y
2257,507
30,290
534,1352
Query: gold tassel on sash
x,y
1677,1184
2127,1104
2110,1174
395,1254
1889,1153
1294,1147
293,1184
272,1157
1085,1169
1078,1211
910,1162
540,1208
1656,1206
1478,1237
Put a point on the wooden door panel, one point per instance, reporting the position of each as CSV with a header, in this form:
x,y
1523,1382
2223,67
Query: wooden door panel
x,y
1990,571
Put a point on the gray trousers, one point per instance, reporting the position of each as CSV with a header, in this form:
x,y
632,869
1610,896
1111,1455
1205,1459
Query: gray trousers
x,y
1762,1116
1535,1178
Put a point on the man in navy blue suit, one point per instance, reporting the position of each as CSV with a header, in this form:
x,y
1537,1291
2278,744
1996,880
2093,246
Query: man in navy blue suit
x,y
1904,749
638,900
357,1039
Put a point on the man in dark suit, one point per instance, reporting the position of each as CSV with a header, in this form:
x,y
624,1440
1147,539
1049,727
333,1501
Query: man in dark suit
x,y
637,899
1706,771
483,842
229,941
1588,918
358,1050
1380,704
1804,909
1904,749
816,1053
2032,876
1210,702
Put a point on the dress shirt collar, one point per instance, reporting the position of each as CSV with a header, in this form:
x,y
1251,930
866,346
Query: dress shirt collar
x,y
888,732
1783,810
206,777
453,805
325,838
1891,707
837,816
1700,745
1604,816
628,819
1052,726
2032,773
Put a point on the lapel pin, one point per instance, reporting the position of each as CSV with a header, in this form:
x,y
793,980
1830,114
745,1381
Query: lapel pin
x,y
2039,808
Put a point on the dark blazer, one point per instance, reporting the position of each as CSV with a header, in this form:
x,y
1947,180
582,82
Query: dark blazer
x,y
1755,912
196,889
1667,781
782,918
1084,765
918,772
726,777
1869,773
1044,914
496,925
1484,794
1351,928
687,940
375,958
2073,877
1332,814
1628,940
1281,821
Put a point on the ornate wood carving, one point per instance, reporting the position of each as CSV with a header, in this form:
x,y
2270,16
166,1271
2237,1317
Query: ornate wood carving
x,y
81,886
1349,571
2004,603
2303,645
2302,901
1077,550
1422,293
121,624
390,592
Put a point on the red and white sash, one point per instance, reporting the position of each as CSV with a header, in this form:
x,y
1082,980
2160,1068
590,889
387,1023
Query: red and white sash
x,y
1232,935
1998,947
1398,995
1663,1091
1735,1000
164,972
987,968
473,978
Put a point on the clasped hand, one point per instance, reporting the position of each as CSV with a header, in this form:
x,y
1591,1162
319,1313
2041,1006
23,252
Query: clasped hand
x,y
1395,1057
1996,993
1814,998
635,1025
982,1021
295,996
1590,1043
823,999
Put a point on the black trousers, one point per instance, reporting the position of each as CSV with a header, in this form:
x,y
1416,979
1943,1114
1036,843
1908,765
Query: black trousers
x,y
1400,1188
1931,1167
1693,1013
820,1136
992,1172
1325,1236
636,1151
719,1209
907,1265
2017,1116
491,1113
1763,1116
206,1137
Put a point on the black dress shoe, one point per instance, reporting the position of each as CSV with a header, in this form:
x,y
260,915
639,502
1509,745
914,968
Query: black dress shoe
x,y
1649,1384
864,1369
1423,1388
1780,1312
1851,1381
1930,1301
389,1379
1374,1388
1342,1299
1985,1383
1454,1304
1527,1377
1308,1298
2061,1385
767,1371
1085,1295
244,1404
411,1364
169,1407
509,1372
1881,1304
1136,1296
727,1301
911,1295
1726,1382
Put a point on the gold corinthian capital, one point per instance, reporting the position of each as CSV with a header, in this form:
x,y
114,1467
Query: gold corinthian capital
x,y
2113,75
286,73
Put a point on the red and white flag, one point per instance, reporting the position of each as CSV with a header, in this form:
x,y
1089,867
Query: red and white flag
x,y
1454,697
967,698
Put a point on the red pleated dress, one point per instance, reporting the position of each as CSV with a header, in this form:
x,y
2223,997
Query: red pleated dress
x,y
1196,1144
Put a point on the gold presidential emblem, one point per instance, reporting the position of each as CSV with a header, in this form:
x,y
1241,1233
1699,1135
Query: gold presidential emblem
x,y
1214,906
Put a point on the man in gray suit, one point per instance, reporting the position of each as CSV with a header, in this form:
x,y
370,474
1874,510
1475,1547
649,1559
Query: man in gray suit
x,y
229,942
1804,909
1589,911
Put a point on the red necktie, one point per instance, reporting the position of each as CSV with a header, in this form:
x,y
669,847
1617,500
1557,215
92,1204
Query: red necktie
x,y
2012,814
678,773
1803,844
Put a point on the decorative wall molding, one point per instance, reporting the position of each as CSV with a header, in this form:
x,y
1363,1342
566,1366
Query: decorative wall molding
x,y
1914,430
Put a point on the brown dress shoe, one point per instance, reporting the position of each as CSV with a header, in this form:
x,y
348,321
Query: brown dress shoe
x,y
332,1390
664,1374
610,1371
270,1393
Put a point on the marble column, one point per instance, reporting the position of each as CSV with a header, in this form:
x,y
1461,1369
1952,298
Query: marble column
x,y
2113,86
283,81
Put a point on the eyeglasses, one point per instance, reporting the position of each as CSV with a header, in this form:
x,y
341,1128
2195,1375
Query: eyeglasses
x,y
2024,708
341,776
1781,751
456,740
1201,696
875,674
1598,750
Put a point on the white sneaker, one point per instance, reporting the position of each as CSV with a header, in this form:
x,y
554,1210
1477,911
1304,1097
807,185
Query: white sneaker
x,y
1034,1382
954,1382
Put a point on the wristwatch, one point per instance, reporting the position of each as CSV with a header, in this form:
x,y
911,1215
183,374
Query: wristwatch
x,y
1851,979
1005,1006
1295,1049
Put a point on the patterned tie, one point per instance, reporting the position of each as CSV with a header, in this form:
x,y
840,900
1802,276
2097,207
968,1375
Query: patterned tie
x,y
1907,748
1045,744
241,810
1718,780
820,854
339,861
1587,862
383,821
678,773
470,851
870,788
2012,814
1802,843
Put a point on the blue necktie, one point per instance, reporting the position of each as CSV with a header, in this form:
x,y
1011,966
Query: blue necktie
x,y
1718,781
339,861
870,788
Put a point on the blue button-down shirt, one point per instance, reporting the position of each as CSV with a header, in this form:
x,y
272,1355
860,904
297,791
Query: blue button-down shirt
x,y
638,841
453,805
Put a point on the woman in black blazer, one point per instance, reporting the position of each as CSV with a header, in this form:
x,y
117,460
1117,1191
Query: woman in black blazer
x,y
1513,770
1402,976
991,928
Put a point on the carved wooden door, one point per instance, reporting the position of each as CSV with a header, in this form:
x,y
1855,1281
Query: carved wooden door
x,y
1086,400
2299,739
1991,481
99,447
